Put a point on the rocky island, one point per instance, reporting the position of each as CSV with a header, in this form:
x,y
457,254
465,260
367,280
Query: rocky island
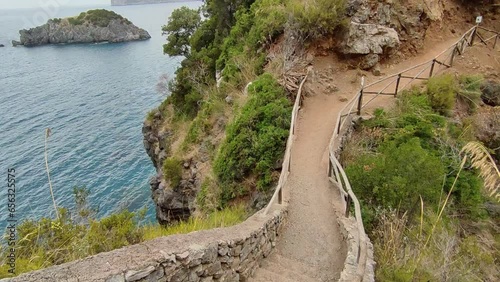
x,y
93,26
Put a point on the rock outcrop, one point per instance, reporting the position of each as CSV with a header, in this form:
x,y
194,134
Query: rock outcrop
x,y
173,201
1,45
409,20
80,30
370,40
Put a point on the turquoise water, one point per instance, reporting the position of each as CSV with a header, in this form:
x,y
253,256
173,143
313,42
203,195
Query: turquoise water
x,y
94,97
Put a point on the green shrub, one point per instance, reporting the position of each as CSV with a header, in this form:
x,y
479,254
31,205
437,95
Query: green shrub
x,y
469,90
256,139
98,17
172,170
75,21
46,242
316,18
441,92
113,232
414,154
397,175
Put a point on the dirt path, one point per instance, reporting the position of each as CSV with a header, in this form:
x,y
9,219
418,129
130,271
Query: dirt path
x,y
311,241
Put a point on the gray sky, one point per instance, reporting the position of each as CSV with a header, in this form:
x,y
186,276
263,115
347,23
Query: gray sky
x,y
14,4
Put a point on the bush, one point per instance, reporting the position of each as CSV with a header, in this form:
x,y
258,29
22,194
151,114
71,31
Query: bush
x,y
412,153
75,21
256,139
441,92
316,18
469,90
98,17
254,28
172,170
46,242
397,175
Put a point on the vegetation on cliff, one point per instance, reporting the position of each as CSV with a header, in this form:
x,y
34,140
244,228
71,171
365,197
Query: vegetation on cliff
x,y
422,206
98,17
245,134
78,234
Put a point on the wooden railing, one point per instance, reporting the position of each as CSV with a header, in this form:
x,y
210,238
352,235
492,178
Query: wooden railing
x,y
285,169
395,83
390,85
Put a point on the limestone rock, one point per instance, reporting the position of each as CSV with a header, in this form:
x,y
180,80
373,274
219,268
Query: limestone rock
x,y
63,32
353,6
376,70
133,275
362,39
369,61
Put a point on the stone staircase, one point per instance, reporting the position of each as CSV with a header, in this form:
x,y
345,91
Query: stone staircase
x,y
278,268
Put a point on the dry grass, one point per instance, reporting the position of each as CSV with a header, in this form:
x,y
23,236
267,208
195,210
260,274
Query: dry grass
x,y
482,160
217,219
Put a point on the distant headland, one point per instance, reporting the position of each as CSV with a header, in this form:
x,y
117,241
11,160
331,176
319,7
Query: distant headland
x,y
93,26
141,2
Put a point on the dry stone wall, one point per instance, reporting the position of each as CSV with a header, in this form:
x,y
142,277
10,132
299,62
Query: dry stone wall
x,y
223,254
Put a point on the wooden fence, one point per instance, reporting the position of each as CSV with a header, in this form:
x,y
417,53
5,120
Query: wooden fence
x,y
285,169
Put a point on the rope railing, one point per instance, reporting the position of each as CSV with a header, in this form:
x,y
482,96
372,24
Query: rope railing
x,y
344,123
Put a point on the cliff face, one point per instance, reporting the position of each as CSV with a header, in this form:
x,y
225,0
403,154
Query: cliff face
x,y
173,201
62,31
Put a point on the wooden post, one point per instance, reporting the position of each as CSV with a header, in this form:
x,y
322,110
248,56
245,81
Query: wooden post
x,y
347,206
290,161
432,68
495,44
458,48
473,36
397,85
340,124
360,100
453,56
280,196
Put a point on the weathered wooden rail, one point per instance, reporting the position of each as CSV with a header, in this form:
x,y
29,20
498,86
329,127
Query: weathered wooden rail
x,y
285,169
401,81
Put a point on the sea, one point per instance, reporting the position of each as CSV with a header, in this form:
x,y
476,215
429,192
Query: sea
x,y
94,98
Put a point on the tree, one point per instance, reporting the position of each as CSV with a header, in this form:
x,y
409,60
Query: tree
x,y
181,25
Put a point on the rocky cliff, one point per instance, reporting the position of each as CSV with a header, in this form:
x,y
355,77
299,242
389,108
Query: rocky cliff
x,y
380,29
91,27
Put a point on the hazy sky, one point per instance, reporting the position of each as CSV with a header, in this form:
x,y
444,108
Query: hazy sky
x,y
14,4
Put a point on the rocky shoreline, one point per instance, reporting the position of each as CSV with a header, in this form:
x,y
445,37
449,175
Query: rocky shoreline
x,y
82,29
